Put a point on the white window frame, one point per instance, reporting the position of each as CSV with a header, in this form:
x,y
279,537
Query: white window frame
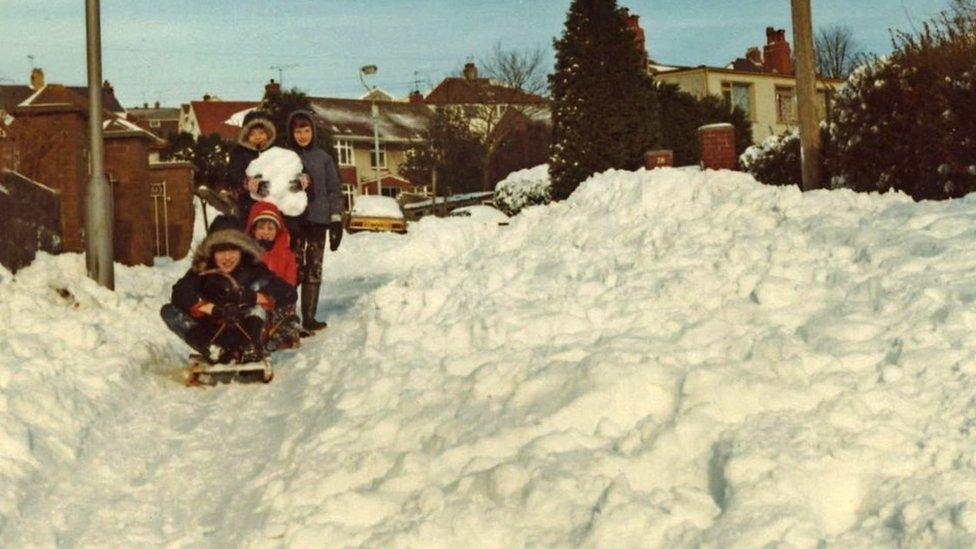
x,y
372,153
344,152
728,87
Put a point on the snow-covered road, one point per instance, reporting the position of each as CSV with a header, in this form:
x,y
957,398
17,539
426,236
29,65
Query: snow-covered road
x,y
666,359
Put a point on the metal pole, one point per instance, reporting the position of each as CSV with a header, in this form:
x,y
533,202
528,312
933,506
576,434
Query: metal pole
x,y
433,181
99,214
806,95
166,201
376,146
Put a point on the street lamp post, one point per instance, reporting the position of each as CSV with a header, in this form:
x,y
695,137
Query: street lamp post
x,y
99,214
363,71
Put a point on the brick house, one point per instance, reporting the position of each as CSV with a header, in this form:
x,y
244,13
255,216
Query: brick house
x,y
50,133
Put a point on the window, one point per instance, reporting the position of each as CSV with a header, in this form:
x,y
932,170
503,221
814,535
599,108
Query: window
x,y
785,105
739,94
344,150
372,157
391,191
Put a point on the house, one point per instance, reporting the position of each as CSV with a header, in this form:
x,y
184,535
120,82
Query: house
x,y
162,121
482,100
210,116
400,126
49,130
762,84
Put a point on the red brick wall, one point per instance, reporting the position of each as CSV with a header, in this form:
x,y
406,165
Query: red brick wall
x,y
53,150
717,142
178,177
127,168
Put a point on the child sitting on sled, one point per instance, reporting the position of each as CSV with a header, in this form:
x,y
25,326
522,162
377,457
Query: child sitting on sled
x,y
220,306
268,227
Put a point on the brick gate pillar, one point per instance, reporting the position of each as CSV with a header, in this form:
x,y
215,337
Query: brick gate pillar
x,y
717,142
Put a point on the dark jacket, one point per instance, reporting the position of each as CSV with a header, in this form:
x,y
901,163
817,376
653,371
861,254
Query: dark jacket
x,y
242,155
325,193
197,287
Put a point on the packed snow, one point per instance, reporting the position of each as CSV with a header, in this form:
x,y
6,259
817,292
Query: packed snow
x,y
666,359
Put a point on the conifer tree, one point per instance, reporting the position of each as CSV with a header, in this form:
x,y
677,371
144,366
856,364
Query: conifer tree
x,y
604,108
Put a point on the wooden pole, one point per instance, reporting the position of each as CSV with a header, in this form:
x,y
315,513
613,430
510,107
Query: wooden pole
x,y
806,95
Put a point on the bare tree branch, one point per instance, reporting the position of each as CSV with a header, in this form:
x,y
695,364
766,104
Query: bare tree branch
x,y
837,53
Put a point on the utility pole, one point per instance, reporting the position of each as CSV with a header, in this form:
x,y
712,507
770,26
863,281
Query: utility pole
x,y
806,95
99,212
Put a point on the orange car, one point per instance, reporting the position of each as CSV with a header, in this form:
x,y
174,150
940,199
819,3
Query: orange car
x,y
376,213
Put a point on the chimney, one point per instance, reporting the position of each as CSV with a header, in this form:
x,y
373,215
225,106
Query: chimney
x,y
157,104
206,97
633,25
470,71
754,55
272,88
145,105
416,97
36,79
777,56
106,85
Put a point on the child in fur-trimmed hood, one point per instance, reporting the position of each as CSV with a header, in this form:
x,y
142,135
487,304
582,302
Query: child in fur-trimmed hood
x,y
226,287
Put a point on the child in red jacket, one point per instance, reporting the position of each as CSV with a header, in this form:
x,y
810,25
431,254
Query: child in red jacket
x,y
266,224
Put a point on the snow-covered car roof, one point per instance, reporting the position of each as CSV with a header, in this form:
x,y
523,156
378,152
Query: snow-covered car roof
x,y
481,213
372,205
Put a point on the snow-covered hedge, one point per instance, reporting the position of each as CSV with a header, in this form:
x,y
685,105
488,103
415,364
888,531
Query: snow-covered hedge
x,y
908,122
524,188
775,161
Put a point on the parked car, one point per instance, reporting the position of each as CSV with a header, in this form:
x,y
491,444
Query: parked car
x,y
481,213
376,213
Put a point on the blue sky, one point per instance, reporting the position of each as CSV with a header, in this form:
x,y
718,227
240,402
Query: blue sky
x,y
177,50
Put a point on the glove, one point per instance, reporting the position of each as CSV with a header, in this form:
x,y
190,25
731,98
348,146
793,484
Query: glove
x,y
229,312
335,235
247,297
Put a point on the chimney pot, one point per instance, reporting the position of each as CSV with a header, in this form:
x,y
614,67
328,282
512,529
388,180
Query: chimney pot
x,y
470,71
36,79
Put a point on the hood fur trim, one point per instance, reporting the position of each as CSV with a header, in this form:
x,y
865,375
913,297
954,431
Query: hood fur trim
x,y
204,253
262,122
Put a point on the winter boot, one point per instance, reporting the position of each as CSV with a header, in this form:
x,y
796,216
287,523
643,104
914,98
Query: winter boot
x,y
310,302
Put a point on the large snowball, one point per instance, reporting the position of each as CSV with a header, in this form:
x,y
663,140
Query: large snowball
x,y
279,169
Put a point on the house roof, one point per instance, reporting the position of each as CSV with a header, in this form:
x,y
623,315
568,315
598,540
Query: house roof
x,y
352,119
13,95
212,116
478,91
750,73
156,114
119,127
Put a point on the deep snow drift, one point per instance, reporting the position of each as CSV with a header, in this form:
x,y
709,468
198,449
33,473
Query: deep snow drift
x,y
667,358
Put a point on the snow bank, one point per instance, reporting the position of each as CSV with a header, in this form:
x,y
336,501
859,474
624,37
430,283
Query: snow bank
x,y
666,359
377,206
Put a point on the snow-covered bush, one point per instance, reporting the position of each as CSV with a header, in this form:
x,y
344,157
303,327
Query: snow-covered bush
x,y
524,188
776,161
908,122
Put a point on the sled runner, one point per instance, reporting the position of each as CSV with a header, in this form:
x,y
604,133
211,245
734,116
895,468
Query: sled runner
x,y
200,372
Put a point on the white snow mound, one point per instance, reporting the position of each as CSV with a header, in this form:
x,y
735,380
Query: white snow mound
x,y
665,359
